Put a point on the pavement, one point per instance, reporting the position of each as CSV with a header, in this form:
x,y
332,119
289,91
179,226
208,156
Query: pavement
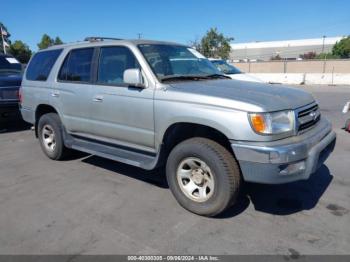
x,y
90,205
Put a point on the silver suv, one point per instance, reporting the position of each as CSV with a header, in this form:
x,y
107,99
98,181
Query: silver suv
x,y
151,104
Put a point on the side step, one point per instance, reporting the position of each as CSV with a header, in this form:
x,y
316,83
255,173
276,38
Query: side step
x,y
114,152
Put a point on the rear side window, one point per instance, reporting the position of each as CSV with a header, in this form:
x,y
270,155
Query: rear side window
x,y
41,64
77,66
113,62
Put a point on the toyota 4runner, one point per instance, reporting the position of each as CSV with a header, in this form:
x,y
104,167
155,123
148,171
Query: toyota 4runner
x,y
151,104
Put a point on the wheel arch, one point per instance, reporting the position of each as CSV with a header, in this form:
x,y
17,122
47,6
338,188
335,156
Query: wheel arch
x,y
180,131
41,110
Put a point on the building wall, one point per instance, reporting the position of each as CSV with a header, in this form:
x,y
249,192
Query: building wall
x,y
291,49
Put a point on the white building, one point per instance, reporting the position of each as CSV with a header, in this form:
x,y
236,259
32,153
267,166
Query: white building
x,y
289,49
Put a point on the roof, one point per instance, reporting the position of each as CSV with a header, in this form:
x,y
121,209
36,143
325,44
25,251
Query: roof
x,y
287,43
112,41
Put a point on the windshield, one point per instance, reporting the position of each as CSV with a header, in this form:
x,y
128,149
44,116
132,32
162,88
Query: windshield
x,y
225,67
9,65
173,61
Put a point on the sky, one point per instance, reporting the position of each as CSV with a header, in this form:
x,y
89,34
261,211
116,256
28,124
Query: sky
x,y
179,21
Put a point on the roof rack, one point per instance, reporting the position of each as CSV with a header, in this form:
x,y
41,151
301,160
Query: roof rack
x,y
99,38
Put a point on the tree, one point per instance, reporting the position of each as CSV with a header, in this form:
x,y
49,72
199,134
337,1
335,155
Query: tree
x,y
47,41
327,56
58,41
215,44
196,44
6,38
342,48
21,51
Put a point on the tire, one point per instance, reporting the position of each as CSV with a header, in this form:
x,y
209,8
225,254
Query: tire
x,y
218,162
51,123
347,125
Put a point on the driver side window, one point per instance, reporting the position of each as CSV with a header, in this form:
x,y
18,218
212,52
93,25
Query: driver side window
x,y
113,61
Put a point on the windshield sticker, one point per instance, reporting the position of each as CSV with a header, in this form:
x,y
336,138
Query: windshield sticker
x,y
12,60
196,53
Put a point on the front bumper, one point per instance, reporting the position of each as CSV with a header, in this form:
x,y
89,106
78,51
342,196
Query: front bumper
x,y
286,160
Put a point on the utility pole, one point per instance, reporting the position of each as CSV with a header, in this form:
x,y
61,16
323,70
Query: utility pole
x,y
324,37
139,35
3,41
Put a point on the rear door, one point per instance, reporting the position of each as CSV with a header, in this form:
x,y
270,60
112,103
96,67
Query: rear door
x,y
72,92
119,112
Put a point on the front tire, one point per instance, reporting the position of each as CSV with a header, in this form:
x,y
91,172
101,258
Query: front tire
x,y
203,176
50,136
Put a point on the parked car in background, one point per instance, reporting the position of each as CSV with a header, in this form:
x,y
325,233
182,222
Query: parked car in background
x,y
346,109
10,81
152,104
231,71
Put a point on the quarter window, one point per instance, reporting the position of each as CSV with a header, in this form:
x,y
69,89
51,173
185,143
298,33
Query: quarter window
x,y
41,64
113,62
77,66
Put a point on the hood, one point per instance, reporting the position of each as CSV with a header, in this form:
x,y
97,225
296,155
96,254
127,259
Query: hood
x,y
243,95
245,77
7,80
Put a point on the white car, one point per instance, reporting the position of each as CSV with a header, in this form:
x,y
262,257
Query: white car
x,y
232,71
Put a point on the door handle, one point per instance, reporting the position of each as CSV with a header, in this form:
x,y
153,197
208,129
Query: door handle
x,y
55,94
98,99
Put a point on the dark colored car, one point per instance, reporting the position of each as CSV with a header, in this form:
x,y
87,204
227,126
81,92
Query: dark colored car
x,y
10,81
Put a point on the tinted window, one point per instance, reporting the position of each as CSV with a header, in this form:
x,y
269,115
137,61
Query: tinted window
x,y
174,60
113,62
226,68
41,64
77,66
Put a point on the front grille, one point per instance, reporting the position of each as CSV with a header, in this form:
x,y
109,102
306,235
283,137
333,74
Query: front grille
x,y
308,117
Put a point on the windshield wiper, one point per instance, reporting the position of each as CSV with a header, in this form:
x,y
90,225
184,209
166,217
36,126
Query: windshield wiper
x,y
183,77
217,76
193,77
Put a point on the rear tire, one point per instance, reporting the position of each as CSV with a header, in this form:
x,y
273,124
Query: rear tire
x,y
347,125
203,176
50,136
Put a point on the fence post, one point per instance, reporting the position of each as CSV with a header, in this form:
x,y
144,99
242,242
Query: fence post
x,y
249,67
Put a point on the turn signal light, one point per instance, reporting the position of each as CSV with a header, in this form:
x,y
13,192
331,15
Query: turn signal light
x,y
258,122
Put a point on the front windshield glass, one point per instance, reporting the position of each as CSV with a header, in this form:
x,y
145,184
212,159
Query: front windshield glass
x,y
225,67
9,65
176,61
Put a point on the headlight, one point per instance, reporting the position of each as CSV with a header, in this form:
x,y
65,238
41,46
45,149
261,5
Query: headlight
x,y
272,123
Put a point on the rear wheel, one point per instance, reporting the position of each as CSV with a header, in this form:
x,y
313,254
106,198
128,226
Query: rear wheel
x,y
347,125
203,176
50,136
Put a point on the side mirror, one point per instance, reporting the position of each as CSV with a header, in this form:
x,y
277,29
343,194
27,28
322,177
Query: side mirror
x,y
133,77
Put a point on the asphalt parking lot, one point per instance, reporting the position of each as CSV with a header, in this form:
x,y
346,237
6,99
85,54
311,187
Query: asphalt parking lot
x,y
89,205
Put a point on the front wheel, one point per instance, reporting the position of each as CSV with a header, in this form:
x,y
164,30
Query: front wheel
x,y
203,176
